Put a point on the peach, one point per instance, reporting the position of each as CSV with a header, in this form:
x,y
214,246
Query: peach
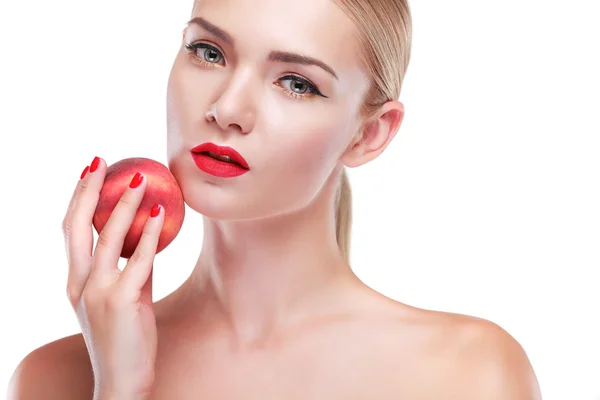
x,y
162,188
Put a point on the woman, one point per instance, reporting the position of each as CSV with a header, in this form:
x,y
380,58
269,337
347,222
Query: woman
x,y
272,309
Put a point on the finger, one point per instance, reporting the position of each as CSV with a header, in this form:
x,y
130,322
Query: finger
x,y
112,236
79,240
66,222
136,277
75,279
74,195
84,206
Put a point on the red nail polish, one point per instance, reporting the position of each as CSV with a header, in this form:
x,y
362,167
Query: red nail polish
x,y
137,179
94,165
155,210
85,171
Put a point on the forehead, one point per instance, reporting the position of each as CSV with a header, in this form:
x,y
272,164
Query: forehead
x,y
316,28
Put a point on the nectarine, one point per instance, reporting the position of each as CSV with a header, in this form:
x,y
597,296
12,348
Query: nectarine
x,y
162,188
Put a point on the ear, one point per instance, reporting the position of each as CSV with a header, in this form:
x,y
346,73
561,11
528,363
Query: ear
x,y
375,136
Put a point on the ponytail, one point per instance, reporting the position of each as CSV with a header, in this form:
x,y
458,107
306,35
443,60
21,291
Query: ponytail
x,y
343,215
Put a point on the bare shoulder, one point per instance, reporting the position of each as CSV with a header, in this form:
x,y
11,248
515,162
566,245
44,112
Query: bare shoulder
x,y
470,356
59,370
492,362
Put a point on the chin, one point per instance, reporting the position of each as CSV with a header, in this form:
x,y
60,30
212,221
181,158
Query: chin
x,y
219,203
227,204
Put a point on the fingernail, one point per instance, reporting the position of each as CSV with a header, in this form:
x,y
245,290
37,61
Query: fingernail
x,y
137,179
155,210
94,165
85,171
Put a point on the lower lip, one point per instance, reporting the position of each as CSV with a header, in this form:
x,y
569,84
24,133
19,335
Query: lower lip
x,y
218,168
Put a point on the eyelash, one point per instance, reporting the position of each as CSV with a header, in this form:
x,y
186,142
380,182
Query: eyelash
x,y
192,47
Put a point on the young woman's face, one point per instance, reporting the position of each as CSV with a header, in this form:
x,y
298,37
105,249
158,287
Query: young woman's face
x,y
291,121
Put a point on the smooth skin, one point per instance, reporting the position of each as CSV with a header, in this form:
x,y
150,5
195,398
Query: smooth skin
x,y
271,309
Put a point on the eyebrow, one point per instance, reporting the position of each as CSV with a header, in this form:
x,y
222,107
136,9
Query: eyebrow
x,y
281,56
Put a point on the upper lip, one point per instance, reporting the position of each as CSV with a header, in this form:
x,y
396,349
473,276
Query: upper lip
x,y
222,151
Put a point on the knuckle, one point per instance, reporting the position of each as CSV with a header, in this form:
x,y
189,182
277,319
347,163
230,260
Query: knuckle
x,y
102,238
66,227
87,299
138,256
72,295
124,200
114,302
142,253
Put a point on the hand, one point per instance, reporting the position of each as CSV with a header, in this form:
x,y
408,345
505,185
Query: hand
x,y
114,308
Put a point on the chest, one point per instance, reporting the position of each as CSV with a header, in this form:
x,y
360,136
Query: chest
x,y
267,383
318,372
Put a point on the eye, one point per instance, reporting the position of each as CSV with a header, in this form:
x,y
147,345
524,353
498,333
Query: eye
x,y
207,55
299,86
210,56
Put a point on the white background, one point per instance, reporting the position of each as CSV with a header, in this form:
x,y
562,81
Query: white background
x,y
487,202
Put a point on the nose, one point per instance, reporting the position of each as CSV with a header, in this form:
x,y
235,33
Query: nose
x,y
235,107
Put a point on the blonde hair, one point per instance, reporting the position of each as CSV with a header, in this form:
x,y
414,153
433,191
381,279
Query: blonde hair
x,y
385,35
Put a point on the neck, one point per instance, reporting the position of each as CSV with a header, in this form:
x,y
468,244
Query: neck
x,y
255,277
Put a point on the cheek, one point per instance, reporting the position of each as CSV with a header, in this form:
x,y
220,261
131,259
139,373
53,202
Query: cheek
x,y
306,155
301,159
305,136
321,142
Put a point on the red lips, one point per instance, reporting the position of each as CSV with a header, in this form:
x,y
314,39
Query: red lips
x,y
221,151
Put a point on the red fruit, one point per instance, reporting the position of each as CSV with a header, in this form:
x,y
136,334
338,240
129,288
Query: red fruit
x,y
162,188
